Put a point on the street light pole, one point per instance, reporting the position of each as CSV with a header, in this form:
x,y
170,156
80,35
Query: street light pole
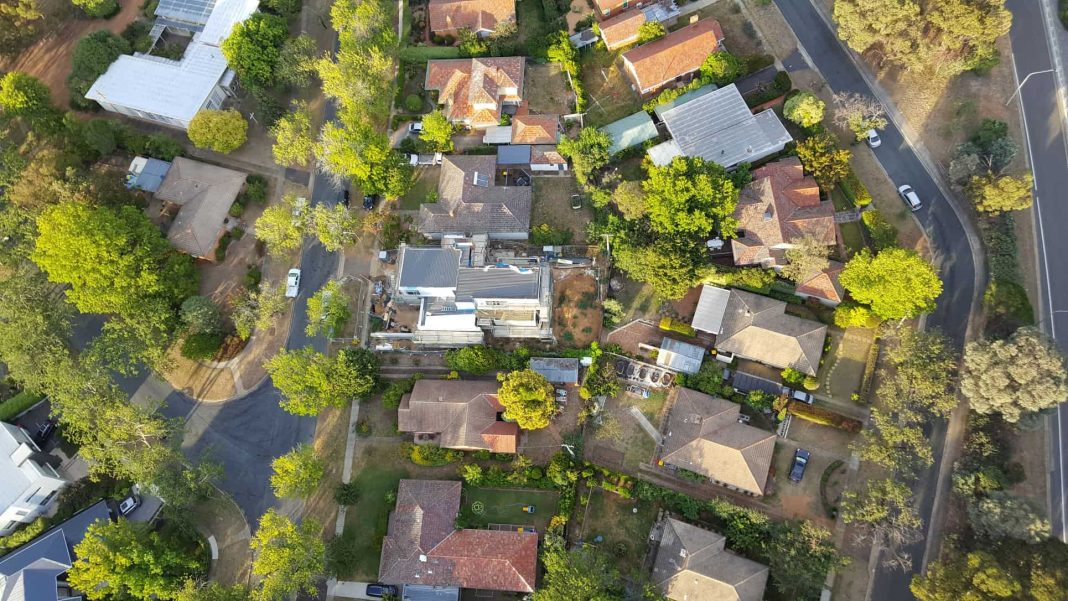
x,y
1019,87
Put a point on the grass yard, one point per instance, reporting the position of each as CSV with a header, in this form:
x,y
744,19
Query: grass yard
x,y
482,507
639,299
620,442
844,367
547,90
623,524
552,205
852,237
608,88
426,182
367,520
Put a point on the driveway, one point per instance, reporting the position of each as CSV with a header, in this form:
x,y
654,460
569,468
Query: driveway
x,y
947,233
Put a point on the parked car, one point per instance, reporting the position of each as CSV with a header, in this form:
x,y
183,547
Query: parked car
x,y
381,590
369,201
129,504
799,395
415,127
576,201
293,283
909,196
873,138
44,432
800,463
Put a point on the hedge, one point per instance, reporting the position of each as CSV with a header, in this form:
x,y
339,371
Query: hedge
x,y
671,325
855,190
765,93
422,54
883,233
18,403
823,417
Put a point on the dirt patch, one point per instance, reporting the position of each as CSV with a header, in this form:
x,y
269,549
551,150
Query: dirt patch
x,y
547,90
740,36
552,206
608,87
1030,449
331,437
577,316
49,59
620,440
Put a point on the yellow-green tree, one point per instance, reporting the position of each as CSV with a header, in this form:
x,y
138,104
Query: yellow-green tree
x,y
223,131
290,558
804,109
822,158
527,398
281,227
437,131
293,139
999,193
896,283
297,473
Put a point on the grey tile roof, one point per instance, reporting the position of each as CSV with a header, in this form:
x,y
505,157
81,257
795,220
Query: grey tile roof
x,y
758,328
462,412
719,127
498,282
693,564
428,267
464,207
630,131
558,370
205,193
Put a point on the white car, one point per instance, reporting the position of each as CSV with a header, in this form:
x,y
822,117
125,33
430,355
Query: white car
x,y
908,195
873,138
415,127
293,283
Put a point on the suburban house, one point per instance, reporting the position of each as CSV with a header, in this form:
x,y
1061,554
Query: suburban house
x,y
423,546
755,327
673,58
540,159
719,127
473,200
203,194
693,564
457,414
557,370
33,572
824,286
780,207
704,436
622,29
611,8
474,91
459,301
171,92
630,131
448,17
30,484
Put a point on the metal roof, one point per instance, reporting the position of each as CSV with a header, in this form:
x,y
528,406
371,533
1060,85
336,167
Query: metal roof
x,y
749,382
688,96
507,281
710,309
513,154
497,134
186,11
428,267
680,356
558,370
422,592
147,174
630,131
719,127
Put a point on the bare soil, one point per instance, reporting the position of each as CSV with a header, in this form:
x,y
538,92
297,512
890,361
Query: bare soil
x,y
577,316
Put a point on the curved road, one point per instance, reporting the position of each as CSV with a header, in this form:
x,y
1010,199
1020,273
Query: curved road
x,y
946,230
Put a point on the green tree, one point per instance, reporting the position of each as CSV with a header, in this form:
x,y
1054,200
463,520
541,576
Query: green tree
x,y
92,57
886,510
256,309
471,44
23,95
889,28
804,109
293,140
601,380
1001,515
98,9
297,473
995,194
254,46
975,576
585,573
919,388
690,197
899,447
200,314
801,554
822,158
722,68
356,150
807,257
649,31
125,559
223,131
193,590
328,310
310,381
709,379
852,315
289,558
588,152
475,360
897,283
527,398
115,260
296,61
281,227
858,113
437,131
336,226
671,267
1024,374
630,200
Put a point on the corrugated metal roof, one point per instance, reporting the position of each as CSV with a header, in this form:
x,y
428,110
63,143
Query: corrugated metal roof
x,y
498,282
719,127
710,309
680,356
497,134
428,267
688,96
630,131
662,154
422,592
558,370
513,154
749,382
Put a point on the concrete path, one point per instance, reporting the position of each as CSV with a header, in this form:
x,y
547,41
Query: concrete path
x,y
648,427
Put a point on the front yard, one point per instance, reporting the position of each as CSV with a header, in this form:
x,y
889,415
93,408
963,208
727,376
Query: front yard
x,y
424,188
608,88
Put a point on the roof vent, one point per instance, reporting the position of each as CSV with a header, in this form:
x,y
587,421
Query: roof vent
x,y
422,558
682,553
767,214
749,150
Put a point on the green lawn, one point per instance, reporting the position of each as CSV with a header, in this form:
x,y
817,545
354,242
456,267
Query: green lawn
x,y
367,520
426,181
608,88
841,203
484,506
624,530
22,401
853,237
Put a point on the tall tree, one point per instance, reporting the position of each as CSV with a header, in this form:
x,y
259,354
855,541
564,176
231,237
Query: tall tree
x,y
630,200
281,227
996,194
886,510
328,310
858,113
256,309
25,96
898,446
886,27
1001,515
804,109
806,258
293,139
223,131
588,152
336,226
296,61
690,197
297,473
897,283
253,47
310,381
722,68
527,398
437,131
1021,375
290,558
580,574
976,575
125,559
822,157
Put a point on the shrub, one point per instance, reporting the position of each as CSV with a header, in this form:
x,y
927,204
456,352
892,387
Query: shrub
x,y
98,9
883,233
92,57
391,398
672,325
433,456
852,315
819,415
476,359
413,102
547,235
811,383
15,405
855,190
346,494
223,131
202,345
792,377
768,92
253,277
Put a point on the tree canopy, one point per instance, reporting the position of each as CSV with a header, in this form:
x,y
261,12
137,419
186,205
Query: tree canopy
x,y
804,109
310,381
254,46
996,194
92,57
1021,375
649,31
527,398
1002,515
437,131
690,197
281,226
588,152
297,473
807,257
25,96
822,158
328,310
722,68
896,283
580,574
858,113
223,131
289,557
293,140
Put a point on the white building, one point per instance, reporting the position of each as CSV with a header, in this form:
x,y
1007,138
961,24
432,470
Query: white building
x,y
27,486
172,92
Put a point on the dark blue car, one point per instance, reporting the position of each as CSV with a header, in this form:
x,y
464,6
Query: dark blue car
x,y
800,462
381,590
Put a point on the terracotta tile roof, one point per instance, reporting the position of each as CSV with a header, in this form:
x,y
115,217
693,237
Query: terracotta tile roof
x,y
422,545
608,7
780,206
477,15
825,284
704,436
472,89
463,413
546,155
678,53
622,29
535,129
465,207
693,563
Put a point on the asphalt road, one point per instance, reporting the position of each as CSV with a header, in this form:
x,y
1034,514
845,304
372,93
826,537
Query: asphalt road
x,y
948,238
1049,163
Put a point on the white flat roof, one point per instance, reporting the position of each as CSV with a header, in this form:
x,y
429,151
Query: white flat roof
x,y
15,480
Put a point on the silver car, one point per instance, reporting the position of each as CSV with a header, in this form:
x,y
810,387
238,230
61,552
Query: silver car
x,y
908,195
293,283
